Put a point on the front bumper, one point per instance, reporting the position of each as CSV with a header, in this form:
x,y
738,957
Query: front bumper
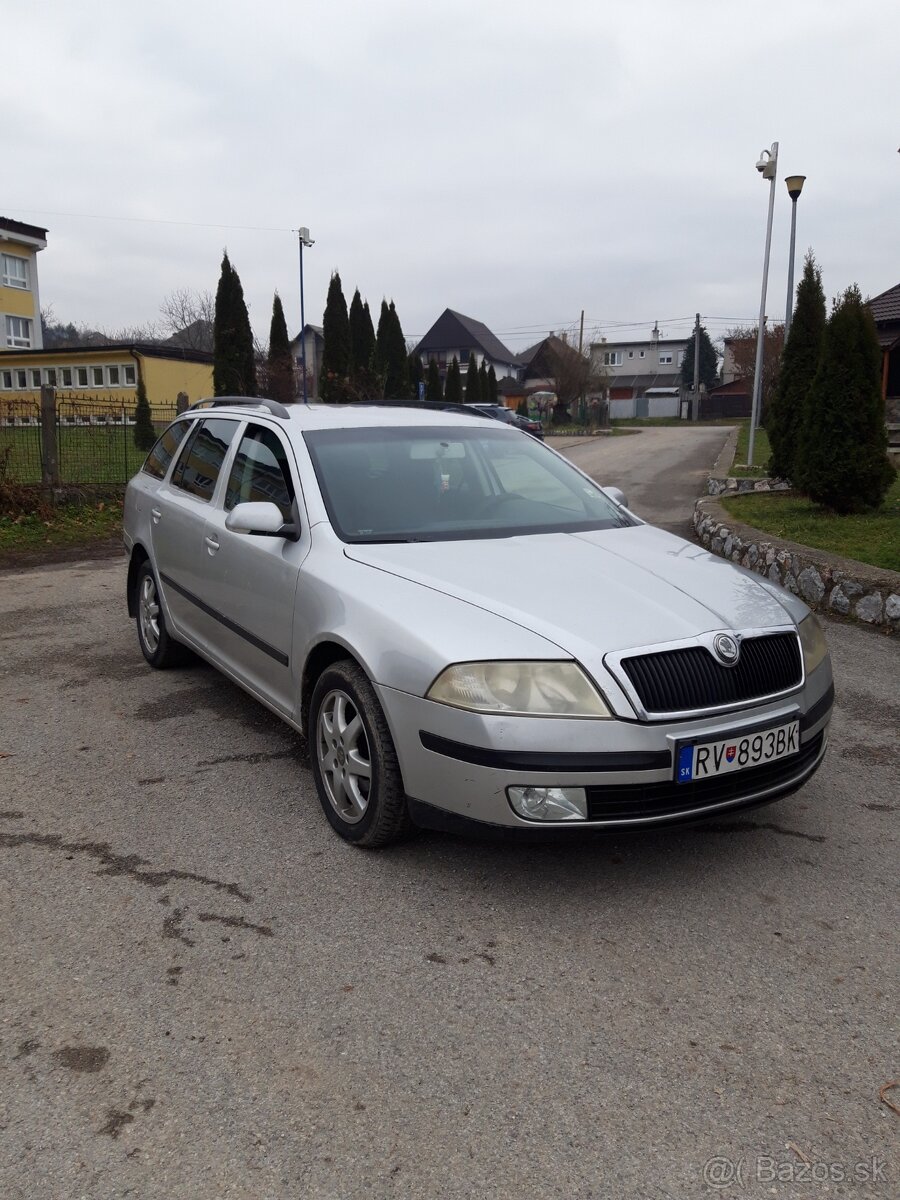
x,y
461,763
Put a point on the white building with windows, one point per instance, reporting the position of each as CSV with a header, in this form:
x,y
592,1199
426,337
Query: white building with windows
x,y
644,376
20,302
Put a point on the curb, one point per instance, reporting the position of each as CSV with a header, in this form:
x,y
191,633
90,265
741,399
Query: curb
x,y
828,583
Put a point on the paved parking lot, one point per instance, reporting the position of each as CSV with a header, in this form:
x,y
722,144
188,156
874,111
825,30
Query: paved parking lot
x,y
205,994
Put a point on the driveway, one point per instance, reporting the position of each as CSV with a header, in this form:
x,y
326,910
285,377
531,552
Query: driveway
x,y
661,469
205,994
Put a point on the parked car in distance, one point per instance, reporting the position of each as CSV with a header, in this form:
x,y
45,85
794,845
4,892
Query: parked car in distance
x,y
500,413
465,626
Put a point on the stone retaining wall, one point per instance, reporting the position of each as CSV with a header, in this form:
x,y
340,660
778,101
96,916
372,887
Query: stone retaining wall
x,y
728,485
825,581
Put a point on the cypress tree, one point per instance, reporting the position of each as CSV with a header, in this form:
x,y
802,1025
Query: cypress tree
x,y
493,393
382,341
280,364
433,390
362,349
843,460
416,373
802,352
473,383
336,351
144,432
483,382
397,380
453,386
234,362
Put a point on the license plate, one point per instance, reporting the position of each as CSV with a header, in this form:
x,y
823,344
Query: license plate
x,y
737,753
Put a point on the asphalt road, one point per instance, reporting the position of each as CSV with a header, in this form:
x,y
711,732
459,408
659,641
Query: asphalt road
x,y
661,469
205,994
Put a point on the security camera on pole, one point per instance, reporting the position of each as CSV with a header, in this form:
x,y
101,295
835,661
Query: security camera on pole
x,y
767,167
305,240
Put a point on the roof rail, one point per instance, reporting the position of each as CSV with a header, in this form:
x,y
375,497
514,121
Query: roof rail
x,y
427,405
276,409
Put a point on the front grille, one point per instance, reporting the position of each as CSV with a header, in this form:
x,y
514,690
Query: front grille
x,y
640,801
691,678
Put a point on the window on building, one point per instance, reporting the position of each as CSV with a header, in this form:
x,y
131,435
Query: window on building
x,y
113,376
665,356
642,354
631,354
36,377
65,376
6,379
96,377
129,375
18,332
50,376
21,379
81,376
15,271
612,358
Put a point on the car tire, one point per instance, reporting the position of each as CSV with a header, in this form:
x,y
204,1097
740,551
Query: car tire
x,y
158,646
354,762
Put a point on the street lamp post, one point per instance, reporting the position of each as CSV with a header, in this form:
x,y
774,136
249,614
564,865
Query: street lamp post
x,y
767,167
794,187
305,240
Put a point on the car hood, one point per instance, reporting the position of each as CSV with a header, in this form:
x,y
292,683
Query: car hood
x,y
591,592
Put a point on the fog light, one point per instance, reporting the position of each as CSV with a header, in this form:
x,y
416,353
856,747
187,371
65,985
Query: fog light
x,y
549,803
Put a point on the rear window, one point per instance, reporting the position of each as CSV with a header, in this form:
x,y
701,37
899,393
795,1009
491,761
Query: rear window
x,y
157,462
200,462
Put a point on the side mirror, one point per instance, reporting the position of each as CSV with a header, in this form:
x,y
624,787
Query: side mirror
x,y
617,495
260,517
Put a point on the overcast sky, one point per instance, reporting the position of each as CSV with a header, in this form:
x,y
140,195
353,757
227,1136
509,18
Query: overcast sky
x,y
516,161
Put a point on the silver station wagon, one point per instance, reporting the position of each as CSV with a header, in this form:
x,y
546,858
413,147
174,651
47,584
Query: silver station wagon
x,y
465,627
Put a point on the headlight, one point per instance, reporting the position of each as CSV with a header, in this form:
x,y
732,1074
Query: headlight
x,y
531,689
812,642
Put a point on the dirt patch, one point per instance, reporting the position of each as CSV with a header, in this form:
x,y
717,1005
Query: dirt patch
x,y
16,560
89,1059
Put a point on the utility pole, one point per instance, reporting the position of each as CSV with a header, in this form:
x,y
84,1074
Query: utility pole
x,y
767,167
581,405
697,368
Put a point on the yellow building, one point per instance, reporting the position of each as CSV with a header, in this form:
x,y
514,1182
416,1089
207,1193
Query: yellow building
x,y
20,303
104,376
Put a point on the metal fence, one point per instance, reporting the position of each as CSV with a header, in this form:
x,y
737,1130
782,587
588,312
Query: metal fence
x,y
93,444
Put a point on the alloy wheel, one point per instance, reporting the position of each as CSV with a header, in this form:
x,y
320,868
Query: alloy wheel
x,y
345,760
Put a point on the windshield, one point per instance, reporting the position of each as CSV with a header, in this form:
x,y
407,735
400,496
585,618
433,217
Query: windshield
x,y
426,484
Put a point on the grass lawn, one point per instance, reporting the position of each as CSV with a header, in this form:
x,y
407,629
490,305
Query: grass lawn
x,y
761,452
872,538
87,454
69,525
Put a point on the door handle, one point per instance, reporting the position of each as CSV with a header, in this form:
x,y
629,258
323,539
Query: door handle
x,y
212,544
155,513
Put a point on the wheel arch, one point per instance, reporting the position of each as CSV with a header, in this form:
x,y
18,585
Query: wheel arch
x,y
138,557
319,659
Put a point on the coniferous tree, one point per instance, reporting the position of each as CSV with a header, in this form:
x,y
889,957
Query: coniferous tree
x,y
362,336
473,383
144,431
333,384
390,354
493,394
234,362
416,374
483,386
709,363
453,386
843,458
433,390
279,363
786,412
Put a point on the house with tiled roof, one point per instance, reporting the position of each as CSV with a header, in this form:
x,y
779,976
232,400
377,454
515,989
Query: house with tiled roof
x,y
885,308
454,335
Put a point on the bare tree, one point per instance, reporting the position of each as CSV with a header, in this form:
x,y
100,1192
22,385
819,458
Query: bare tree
x,y
187,319
568,371
740,359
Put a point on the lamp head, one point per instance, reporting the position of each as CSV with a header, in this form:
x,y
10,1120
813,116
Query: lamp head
x,y
795,185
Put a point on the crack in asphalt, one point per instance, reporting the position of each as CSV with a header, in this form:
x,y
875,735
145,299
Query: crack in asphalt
x,y
748,826
119,864
237,923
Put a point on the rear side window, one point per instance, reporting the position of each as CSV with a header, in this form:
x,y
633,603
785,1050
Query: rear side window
x,y
165,449
260,471
201,459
